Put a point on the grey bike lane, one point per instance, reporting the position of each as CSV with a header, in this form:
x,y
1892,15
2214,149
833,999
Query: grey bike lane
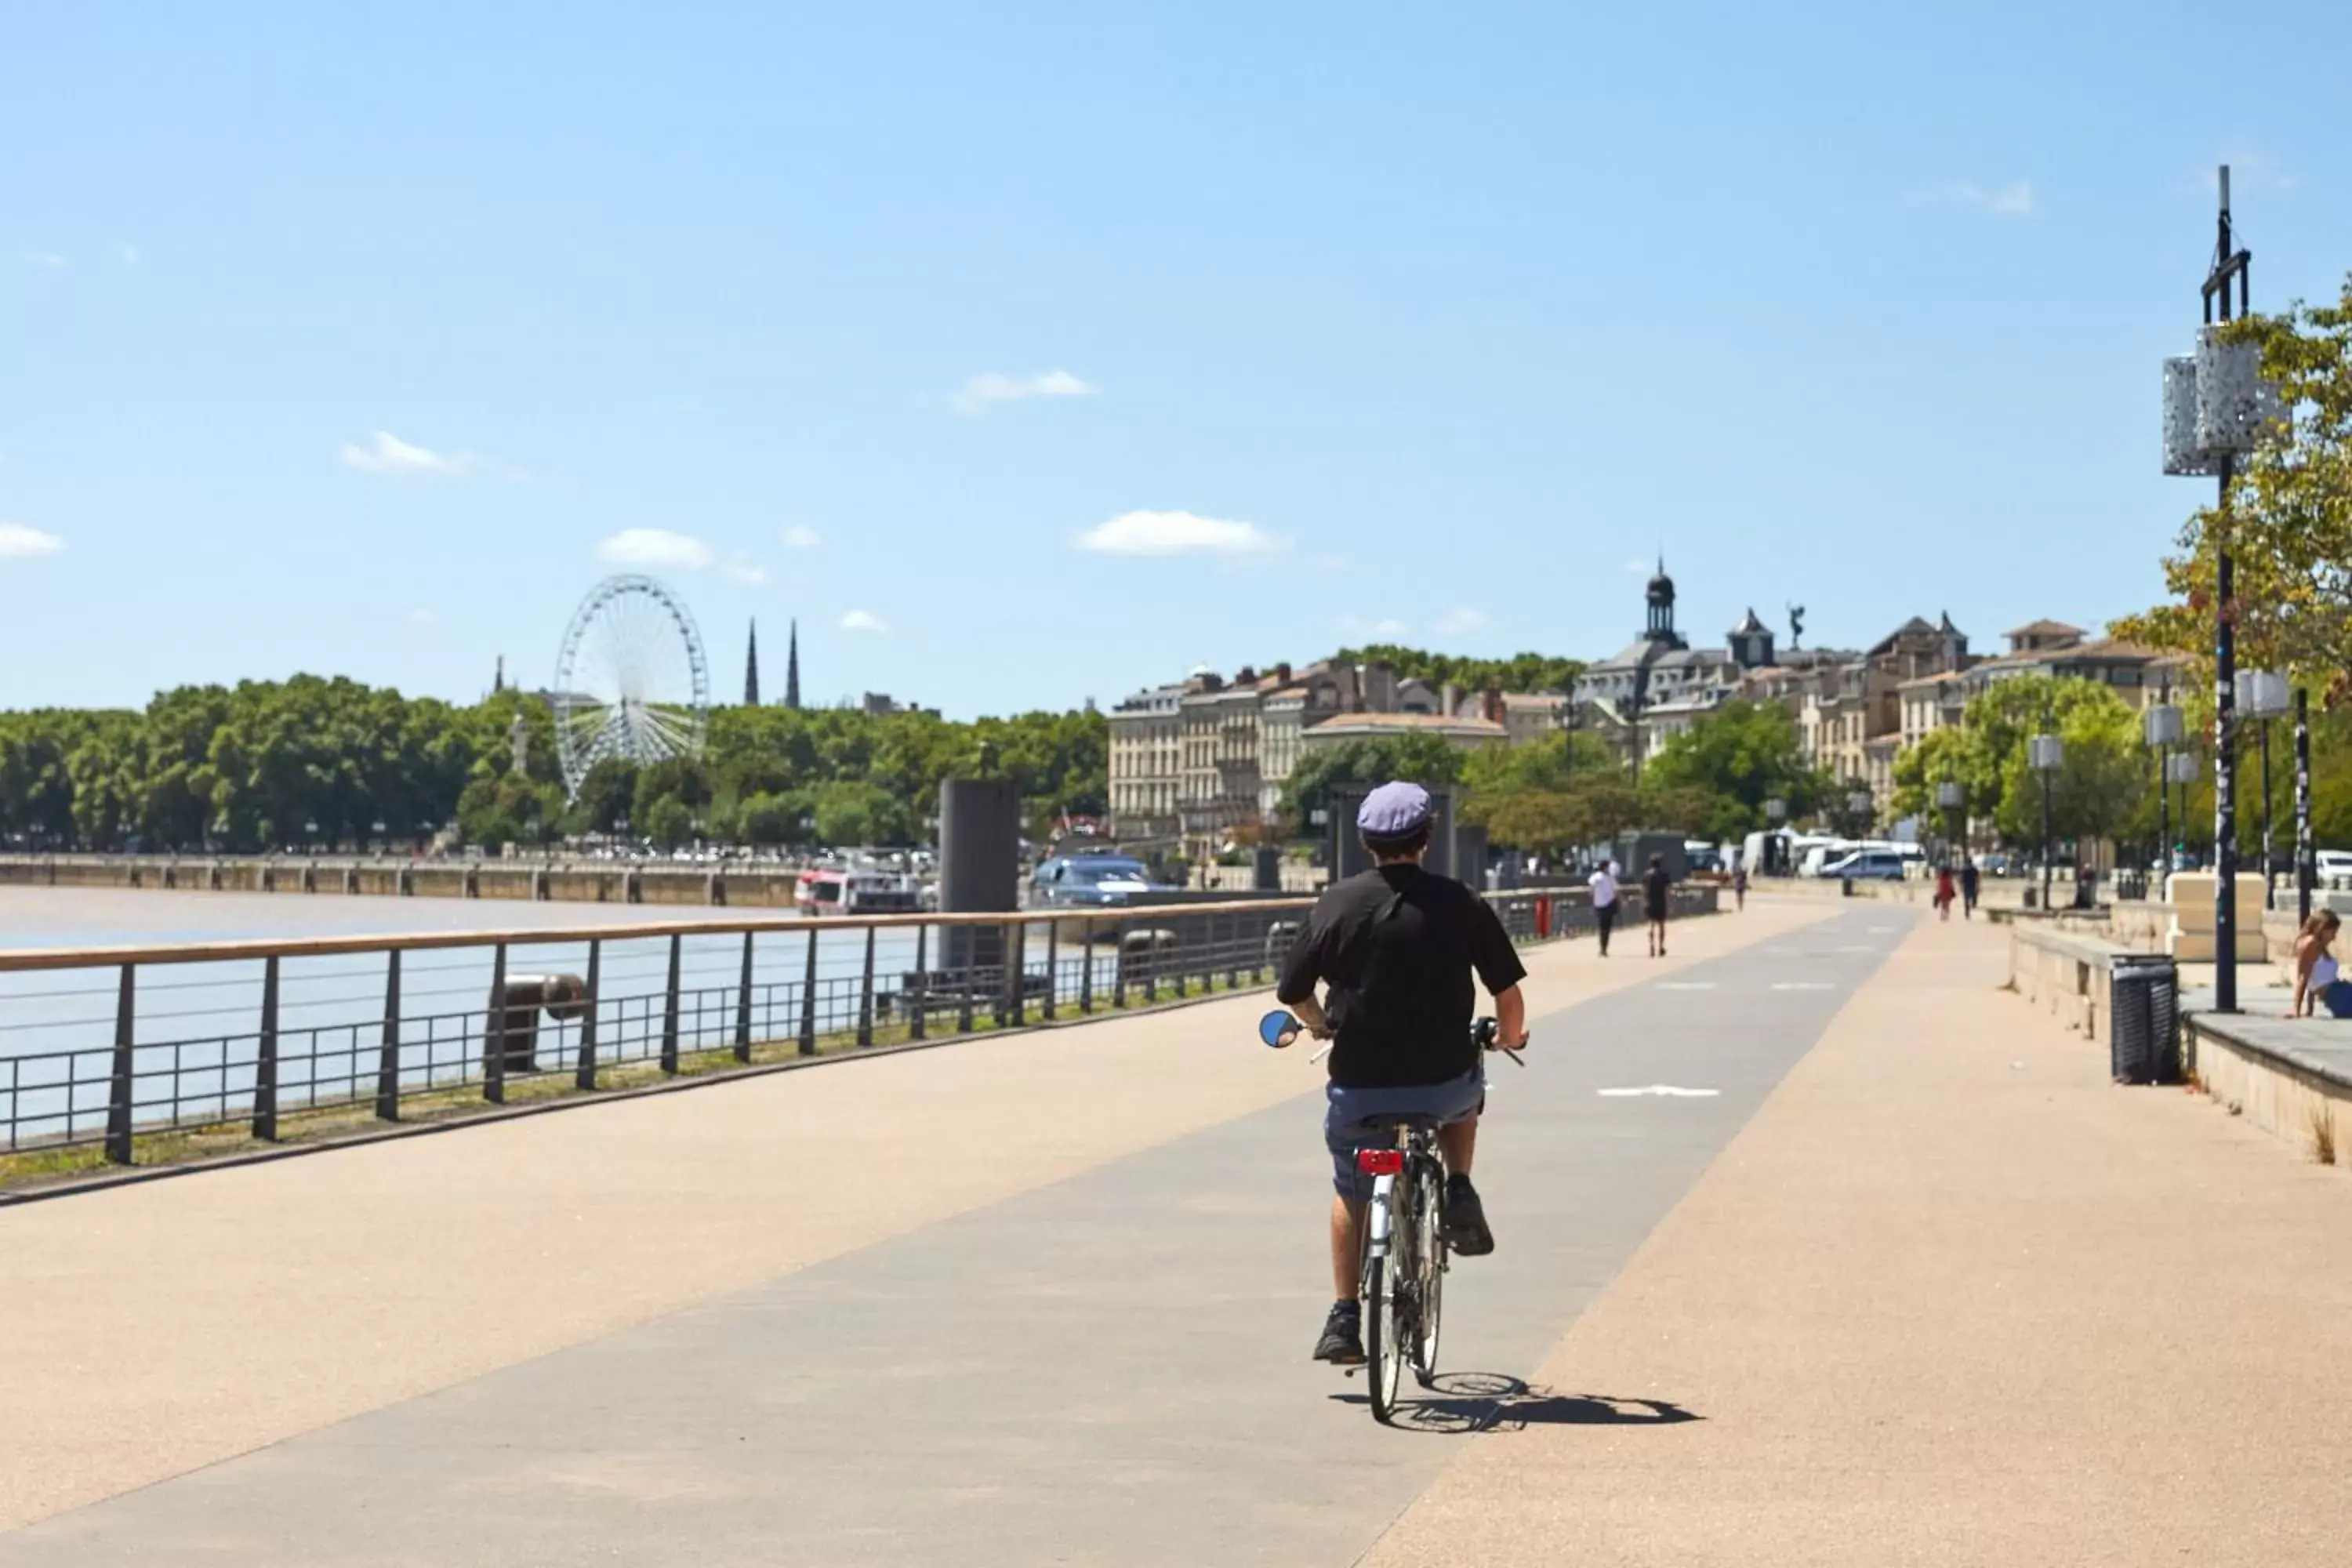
x,y
1109,1370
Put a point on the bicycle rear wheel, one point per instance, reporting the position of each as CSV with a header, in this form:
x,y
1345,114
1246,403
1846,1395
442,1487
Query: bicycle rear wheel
x,y
1385,1347
1428,1253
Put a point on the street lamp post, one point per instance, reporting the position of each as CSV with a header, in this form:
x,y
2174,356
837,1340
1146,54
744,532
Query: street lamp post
x,y
2306,868
2179,770
1950,798
2261,693
2216,406
2165,730
2045,754
1858,803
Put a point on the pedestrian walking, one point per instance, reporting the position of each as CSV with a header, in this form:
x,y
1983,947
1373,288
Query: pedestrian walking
x,y
1739,885
1968,889
1944,893
1604,902
1657,890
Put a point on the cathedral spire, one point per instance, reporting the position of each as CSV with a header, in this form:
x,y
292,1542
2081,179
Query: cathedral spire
x,y
792,667
751,669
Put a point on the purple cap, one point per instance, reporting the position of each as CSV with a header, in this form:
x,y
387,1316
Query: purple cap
x,y
1396,810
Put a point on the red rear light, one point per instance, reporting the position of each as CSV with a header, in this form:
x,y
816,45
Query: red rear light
x,y
1380,1162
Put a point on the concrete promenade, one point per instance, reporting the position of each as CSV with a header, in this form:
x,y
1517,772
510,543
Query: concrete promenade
x,y
1912,1284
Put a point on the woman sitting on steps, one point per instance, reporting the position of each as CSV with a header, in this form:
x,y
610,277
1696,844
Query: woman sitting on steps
x,y
2316,978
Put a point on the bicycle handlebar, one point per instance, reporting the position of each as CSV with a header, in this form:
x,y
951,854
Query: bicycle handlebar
x,y
1486,1032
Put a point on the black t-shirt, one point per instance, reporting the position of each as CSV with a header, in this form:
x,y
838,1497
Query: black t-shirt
x,y
1655,891
1398,946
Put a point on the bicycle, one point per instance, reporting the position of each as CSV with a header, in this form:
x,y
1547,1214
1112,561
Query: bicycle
x,y
1402,1285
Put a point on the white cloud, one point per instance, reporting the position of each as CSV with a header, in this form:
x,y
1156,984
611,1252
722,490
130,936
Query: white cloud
x,y
2014,199
48,258
800,536
989,387
863,621
1464,619
20,542
388,454
745,569
653,547
1357,626
1174,533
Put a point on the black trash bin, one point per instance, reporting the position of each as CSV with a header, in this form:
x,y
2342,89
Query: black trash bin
x,y
2144,1019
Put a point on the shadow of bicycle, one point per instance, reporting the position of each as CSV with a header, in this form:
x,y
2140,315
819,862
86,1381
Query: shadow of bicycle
x,y
1461,1404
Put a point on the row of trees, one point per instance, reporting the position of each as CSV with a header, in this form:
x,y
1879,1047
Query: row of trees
x,y
269,764
1520,672
1568,789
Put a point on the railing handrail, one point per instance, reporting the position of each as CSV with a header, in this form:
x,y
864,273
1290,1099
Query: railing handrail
x,y
244,949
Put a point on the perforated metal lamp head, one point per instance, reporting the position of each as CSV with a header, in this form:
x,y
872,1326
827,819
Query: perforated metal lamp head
x,y
1776,808
2183,768
1948,795
1859,801
2162,725
2045,754
2261,693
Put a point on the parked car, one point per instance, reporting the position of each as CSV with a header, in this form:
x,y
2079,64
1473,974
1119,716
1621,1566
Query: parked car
x,y
1867,866
1089,879
2333,863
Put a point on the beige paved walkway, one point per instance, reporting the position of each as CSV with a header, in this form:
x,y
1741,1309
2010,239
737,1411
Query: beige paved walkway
x,y
1949,1297
157,1328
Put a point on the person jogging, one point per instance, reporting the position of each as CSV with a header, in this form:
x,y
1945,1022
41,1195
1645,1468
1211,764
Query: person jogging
x,y
1604,902
1657,891
1396,949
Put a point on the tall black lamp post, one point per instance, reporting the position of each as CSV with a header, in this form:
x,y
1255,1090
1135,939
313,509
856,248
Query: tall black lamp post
x,y
2045,754
2164,729
2263,697
1951,798
2216,406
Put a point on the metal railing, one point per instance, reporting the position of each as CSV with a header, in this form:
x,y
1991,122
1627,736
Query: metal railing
x,y
101,1047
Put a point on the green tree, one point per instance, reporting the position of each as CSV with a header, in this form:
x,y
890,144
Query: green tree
x,y
768,820
1423,758
1520,672
670,822
607,796
1734,760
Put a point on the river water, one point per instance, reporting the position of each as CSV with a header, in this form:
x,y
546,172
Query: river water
x,y
198,1027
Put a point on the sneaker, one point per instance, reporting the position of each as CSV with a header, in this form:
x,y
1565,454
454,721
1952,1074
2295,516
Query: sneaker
x,y
1465,1220
1342,1344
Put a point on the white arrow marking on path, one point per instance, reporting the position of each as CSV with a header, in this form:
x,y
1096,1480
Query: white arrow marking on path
x,y
1802,985
1857,947
1881,931
1685,984
1664,1090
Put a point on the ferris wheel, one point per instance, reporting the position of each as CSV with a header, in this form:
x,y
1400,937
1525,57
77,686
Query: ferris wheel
x,y
631,682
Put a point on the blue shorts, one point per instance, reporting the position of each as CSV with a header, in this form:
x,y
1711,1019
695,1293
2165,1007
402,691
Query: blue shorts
x,y
1346,1121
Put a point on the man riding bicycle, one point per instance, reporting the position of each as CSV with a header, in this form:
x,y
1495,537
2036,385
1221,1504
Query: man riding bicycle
x,y
1397,947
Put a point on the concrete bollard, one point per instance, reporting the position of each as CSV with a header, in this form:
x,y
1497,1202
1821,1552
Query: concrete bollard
x,y
563,997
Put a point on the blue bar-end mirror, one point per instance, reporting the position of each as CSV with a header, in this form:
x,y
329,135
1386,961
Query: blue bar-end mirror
x,y
1277,1029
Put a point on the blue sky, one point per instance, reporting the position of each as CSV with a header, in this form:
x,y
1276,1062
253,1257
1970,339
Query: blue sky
x,y
1042,353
